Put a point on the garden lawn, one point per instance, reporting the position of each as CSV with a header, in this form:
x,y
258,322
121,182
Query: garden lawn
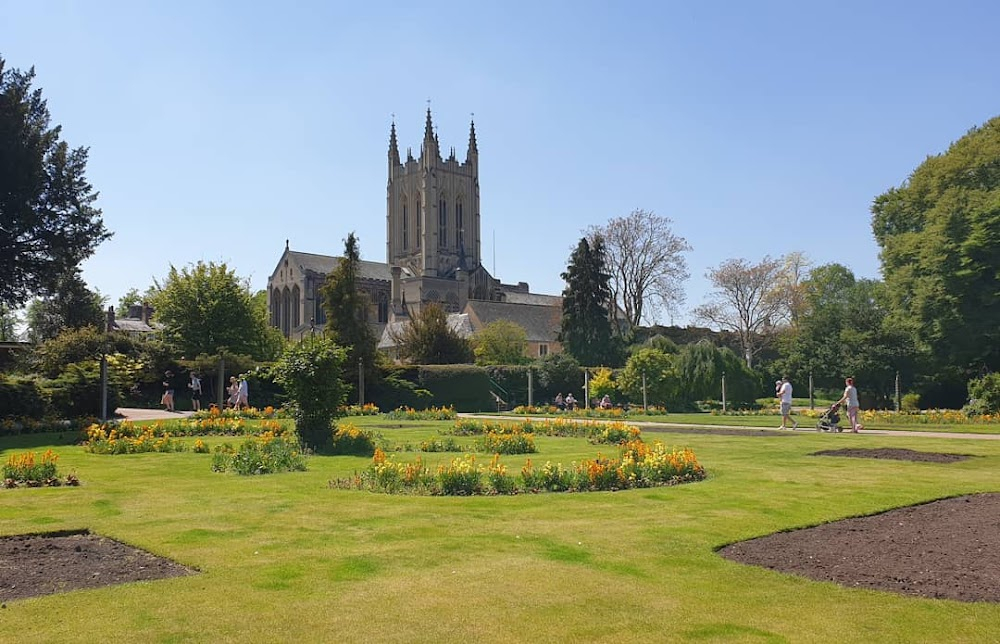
x,y
286,559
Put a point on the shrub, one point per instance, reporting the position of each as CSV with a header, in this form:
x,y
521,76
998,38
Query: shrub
x,y
910,402
984,395
76,393
601,384
310,371
266,454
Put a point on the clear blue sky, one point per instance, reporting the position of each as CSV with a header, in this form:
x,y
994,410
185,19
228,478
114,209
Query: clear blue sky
x,y
217,130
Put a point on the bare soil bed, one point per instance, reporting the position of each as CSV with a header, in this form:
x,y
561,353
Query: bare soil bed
x,y
33,565
947,549
895,454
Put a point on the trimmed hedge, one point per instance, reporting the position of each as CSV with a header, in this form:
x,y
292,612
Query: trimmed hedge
x,y
464,387
21,398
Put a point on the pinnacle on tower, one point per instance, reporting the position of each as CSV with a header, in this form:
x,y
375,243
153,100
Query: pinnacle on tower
x,y
473,148
393,146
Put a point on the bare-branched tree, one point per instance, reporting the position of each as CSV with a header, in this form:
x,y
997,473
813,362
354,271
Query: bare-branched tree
x,y
748,301
646,262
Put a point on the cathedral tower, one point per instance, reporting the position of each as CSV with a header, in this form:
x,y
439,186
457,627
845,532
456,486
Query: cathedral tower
x,y
432,208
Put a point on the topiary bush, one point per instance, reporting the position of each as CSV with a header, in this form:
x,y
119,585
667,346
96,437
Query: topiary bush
x,y
310,371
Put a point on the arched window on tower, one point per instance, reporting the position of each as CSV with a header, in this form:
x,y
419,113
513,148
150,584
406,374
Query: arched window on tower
x,y
383,307
459,226
296,310
442,222
286,311
406,226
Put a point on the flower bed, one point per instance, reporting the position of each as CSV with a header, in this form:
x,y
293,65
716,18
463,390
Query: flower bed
x,y
26,469
594,431
433,413
268,453
15,426
638,465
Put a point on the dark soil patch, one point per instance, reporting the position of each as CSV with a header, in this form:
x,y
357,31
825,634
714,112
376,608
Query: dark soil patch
x,y
44,564
947,549
895,454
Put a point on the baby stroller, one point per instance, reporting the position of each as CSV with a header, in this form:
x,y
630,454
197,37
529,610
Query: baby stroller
x,y
829,421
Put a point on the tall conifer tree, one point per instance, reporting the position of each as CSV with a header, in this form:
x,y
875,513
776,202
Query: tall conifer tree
x,y
346,312
587,301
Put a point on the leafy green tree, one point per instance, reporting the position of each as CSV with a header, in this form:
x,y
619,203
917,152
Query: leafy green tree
x,y
346,310
845,329
48,223
70,305
939,233
600,384
662,380
558,373
310,372
501,342
9,319
428,339
207,309
587,304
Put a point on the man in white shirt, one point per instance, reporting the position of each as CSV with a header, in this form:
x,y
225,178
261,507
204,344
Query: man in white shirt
x,y
785,396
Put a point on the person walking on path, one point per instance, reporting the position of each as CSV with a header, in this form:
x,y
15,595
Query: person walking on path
x,y
785,398
243,394
168,391
851,398
195,387
570,402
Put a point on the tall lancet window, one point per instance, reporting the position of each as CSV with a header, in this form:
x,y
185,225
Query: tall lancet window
x,y
406,226
459,226
442,222
419,225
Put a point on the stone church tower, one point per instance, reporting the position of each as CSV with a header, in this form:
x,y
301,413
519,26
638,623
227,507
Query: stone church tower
x,y
433,241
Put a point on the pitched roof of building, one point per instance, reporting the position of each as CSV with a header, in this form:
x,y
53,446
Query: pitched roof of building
x,y
325,264
538,299
135,325
541,322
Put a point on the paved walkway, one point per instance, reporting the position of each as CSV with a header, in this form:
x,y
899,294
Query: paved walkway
x,y
652,425
134,413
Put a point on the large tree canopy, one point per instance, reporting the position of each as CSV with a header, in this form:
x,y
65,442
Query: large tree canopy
x,y
48,223
645,260
587,302
207,309
940,233
70,304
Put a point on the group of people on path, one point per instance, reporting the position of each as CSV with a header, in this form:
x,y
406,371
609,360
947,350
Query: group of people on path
x,y
238,392
783,390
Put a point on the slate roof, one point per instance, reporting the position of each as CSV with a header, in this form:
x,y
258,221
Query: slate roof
x,y
135,325
518,297
540,322
324,264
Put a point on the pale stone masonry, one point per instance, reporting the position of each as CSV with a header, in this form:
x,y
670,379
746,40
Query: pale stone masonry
x,y
433,255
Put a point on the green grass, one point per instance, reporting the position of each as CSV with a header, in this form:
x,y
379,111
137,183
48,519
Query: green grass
x,y
284,558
